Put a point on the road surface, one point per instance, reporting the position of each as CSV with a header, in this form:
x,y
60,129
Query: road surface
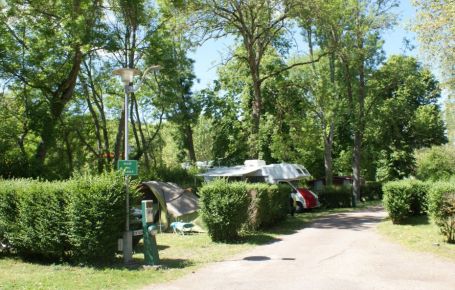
x,y
341,251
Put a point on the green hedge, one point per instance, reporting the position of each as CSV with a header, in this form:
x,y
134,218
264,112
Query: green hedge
x,y
78,220
441,207
404,198
371,190
229,207
269,205
335,196
224,208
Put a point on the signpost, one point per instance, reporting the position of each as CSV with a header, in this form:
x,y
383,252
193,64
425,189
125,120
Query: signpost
x,y
129,167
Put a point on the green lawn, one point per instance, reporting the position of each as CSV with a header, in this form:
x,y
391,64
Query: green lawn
x,y
179,254
418,234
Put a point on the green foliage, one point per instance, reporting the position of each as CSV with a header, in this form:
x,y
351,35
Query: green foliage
x,y
397,200
419,197
404,198
96,216
178,175
76,220
371,190
435,163
335,196
224,208
441,207
269,205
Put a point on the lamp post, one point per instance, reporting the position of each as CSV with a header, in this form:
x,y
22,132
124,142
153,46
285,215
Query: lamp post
x,y
127,76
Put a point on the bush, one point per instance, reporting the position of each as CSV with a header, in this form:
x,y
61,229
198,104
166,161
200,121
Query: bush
x,y
269,205
404,198
435,163
419,195
441,207
8,210
41,223
77,220
224,208
371,190
397,200
96,215
335,196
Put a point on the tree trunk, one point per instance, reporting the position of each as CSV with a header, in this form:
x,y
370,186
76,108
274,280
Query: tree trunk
x,y
328,161
256,107
59,99
190,142
119,139
144,142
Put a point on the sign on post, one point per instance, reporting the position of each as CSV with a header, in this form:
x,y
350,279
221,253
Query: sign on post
x,y
129,167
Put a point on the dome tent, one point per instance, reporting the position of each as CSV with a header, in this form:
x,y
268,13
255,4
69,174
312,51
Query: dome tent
x,y
174,202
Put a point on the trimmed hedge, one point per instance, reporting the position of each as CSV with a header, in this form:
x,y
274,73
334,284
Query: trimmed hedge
x,y
335,196
404,198
441,207
269,205
224,208
78,220
229,207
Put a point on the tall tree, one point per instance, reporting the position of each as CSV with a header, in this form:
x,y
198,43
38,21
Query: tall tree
x,y
259,25
353,30
44,46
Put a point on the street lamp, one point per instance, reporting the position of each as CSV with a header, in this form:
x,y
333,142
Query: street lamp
x,y
127,76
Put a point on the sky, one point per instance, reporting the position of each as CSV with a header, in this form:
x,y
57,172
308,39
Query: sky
x,y
211,53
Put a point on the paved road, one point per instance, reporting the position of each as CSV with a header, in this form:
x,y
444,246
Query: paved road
x,y
342,251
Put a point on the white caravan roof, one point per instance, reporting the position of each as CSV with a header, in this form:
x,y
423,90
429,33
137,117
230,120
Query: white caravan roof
x,y
271,173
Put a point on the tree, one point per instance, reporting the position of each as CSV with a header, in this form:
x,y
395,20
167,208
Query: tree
x,y
436,32
352,30
45,44
259,25
407,116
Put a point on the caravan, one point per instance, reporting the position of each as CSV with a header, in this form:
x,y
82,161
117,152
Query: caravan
x,y
259,171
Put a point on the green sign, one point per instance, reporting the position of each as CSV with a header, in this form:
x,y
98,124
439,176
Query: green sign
x,y
128,166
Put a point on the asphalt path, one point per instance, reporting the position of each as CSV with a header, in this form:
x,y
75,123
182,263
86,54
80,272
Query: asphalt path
x,y
340,251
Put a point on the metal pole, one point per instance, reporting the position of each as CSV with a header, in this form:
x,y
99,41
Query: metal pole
x,y
127,236
127,226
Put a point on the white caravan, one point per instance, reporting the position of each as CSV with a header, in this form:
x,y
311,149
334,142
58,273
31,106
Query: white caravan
x,y
258,171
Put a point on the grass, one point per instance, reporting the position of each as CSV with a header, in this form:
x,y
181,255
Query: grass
x,y
420,234
179,254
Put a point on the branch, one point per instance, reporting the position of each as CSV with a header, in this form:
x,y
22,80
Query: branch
x,y
293,65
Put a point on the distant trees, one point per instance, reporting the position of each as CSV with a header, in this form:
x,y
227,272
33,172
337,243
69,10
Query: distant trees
x,y
338,108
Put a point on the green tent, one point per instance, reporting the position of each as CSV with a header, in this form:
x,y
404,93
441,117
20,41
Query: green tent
x,y
174,203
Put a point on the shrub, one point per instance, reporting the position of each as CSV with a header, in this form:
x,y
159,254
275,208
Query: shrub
x,y
404,198
335,196
77,220
224,208
269,205
96,215
41,223
371,190
8,210
441,207
397,200
435,163
418,194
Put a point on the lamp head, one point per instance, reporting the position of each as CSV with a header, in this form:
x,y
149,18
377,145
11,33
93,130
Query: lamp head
x,y
126,74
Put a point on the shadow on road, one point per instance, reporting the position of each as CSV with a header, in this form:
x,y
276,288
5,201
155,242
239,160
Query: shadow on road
x,y
346,221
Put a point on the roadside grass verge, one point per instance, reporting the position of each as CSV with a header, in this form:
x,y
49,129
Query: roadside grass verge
x,y
179,255
418,233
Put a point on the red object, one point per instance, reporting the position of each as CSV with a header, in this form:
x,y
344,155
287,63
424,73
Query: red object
x,y
310,198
